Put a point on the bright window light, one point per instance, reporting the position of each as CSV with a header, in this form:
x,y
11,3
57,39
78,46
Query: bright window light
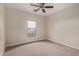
x,y
31,24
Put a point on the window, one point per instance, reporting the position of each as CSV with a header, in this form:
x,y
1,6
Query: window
x,y
31,26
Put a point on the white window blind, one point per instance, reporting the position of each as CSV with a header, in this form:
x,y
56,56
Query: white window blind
x,y
31,26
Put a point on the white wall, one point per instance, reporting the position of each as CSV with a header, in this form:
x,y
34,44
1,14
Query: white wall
x,y
63,26
2,29
15,26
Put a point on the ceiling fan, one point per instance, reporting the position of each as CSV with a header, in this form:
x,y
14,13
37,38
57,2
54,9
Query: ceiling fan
x,y
41,6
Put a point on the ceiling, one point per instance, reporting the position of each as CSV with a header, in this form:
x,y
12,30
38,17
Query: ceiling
x,y
49,11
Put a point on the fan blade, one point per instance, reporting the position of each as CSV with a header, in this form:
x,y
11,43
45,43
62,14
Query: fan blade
x,y
34,5
36,10
43,10
48,6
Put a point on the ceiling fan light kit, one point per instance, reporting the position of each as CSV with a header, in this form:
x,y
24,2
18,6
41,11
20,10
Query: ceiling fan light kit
x,y
41,6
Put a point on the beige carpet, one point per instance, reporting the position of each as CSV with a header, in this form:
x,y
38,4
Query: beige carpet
x,y
41,48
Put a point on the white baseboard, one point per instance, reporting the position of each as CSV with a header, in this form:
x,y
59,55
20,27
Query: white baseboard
x,y
43,38
64,44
